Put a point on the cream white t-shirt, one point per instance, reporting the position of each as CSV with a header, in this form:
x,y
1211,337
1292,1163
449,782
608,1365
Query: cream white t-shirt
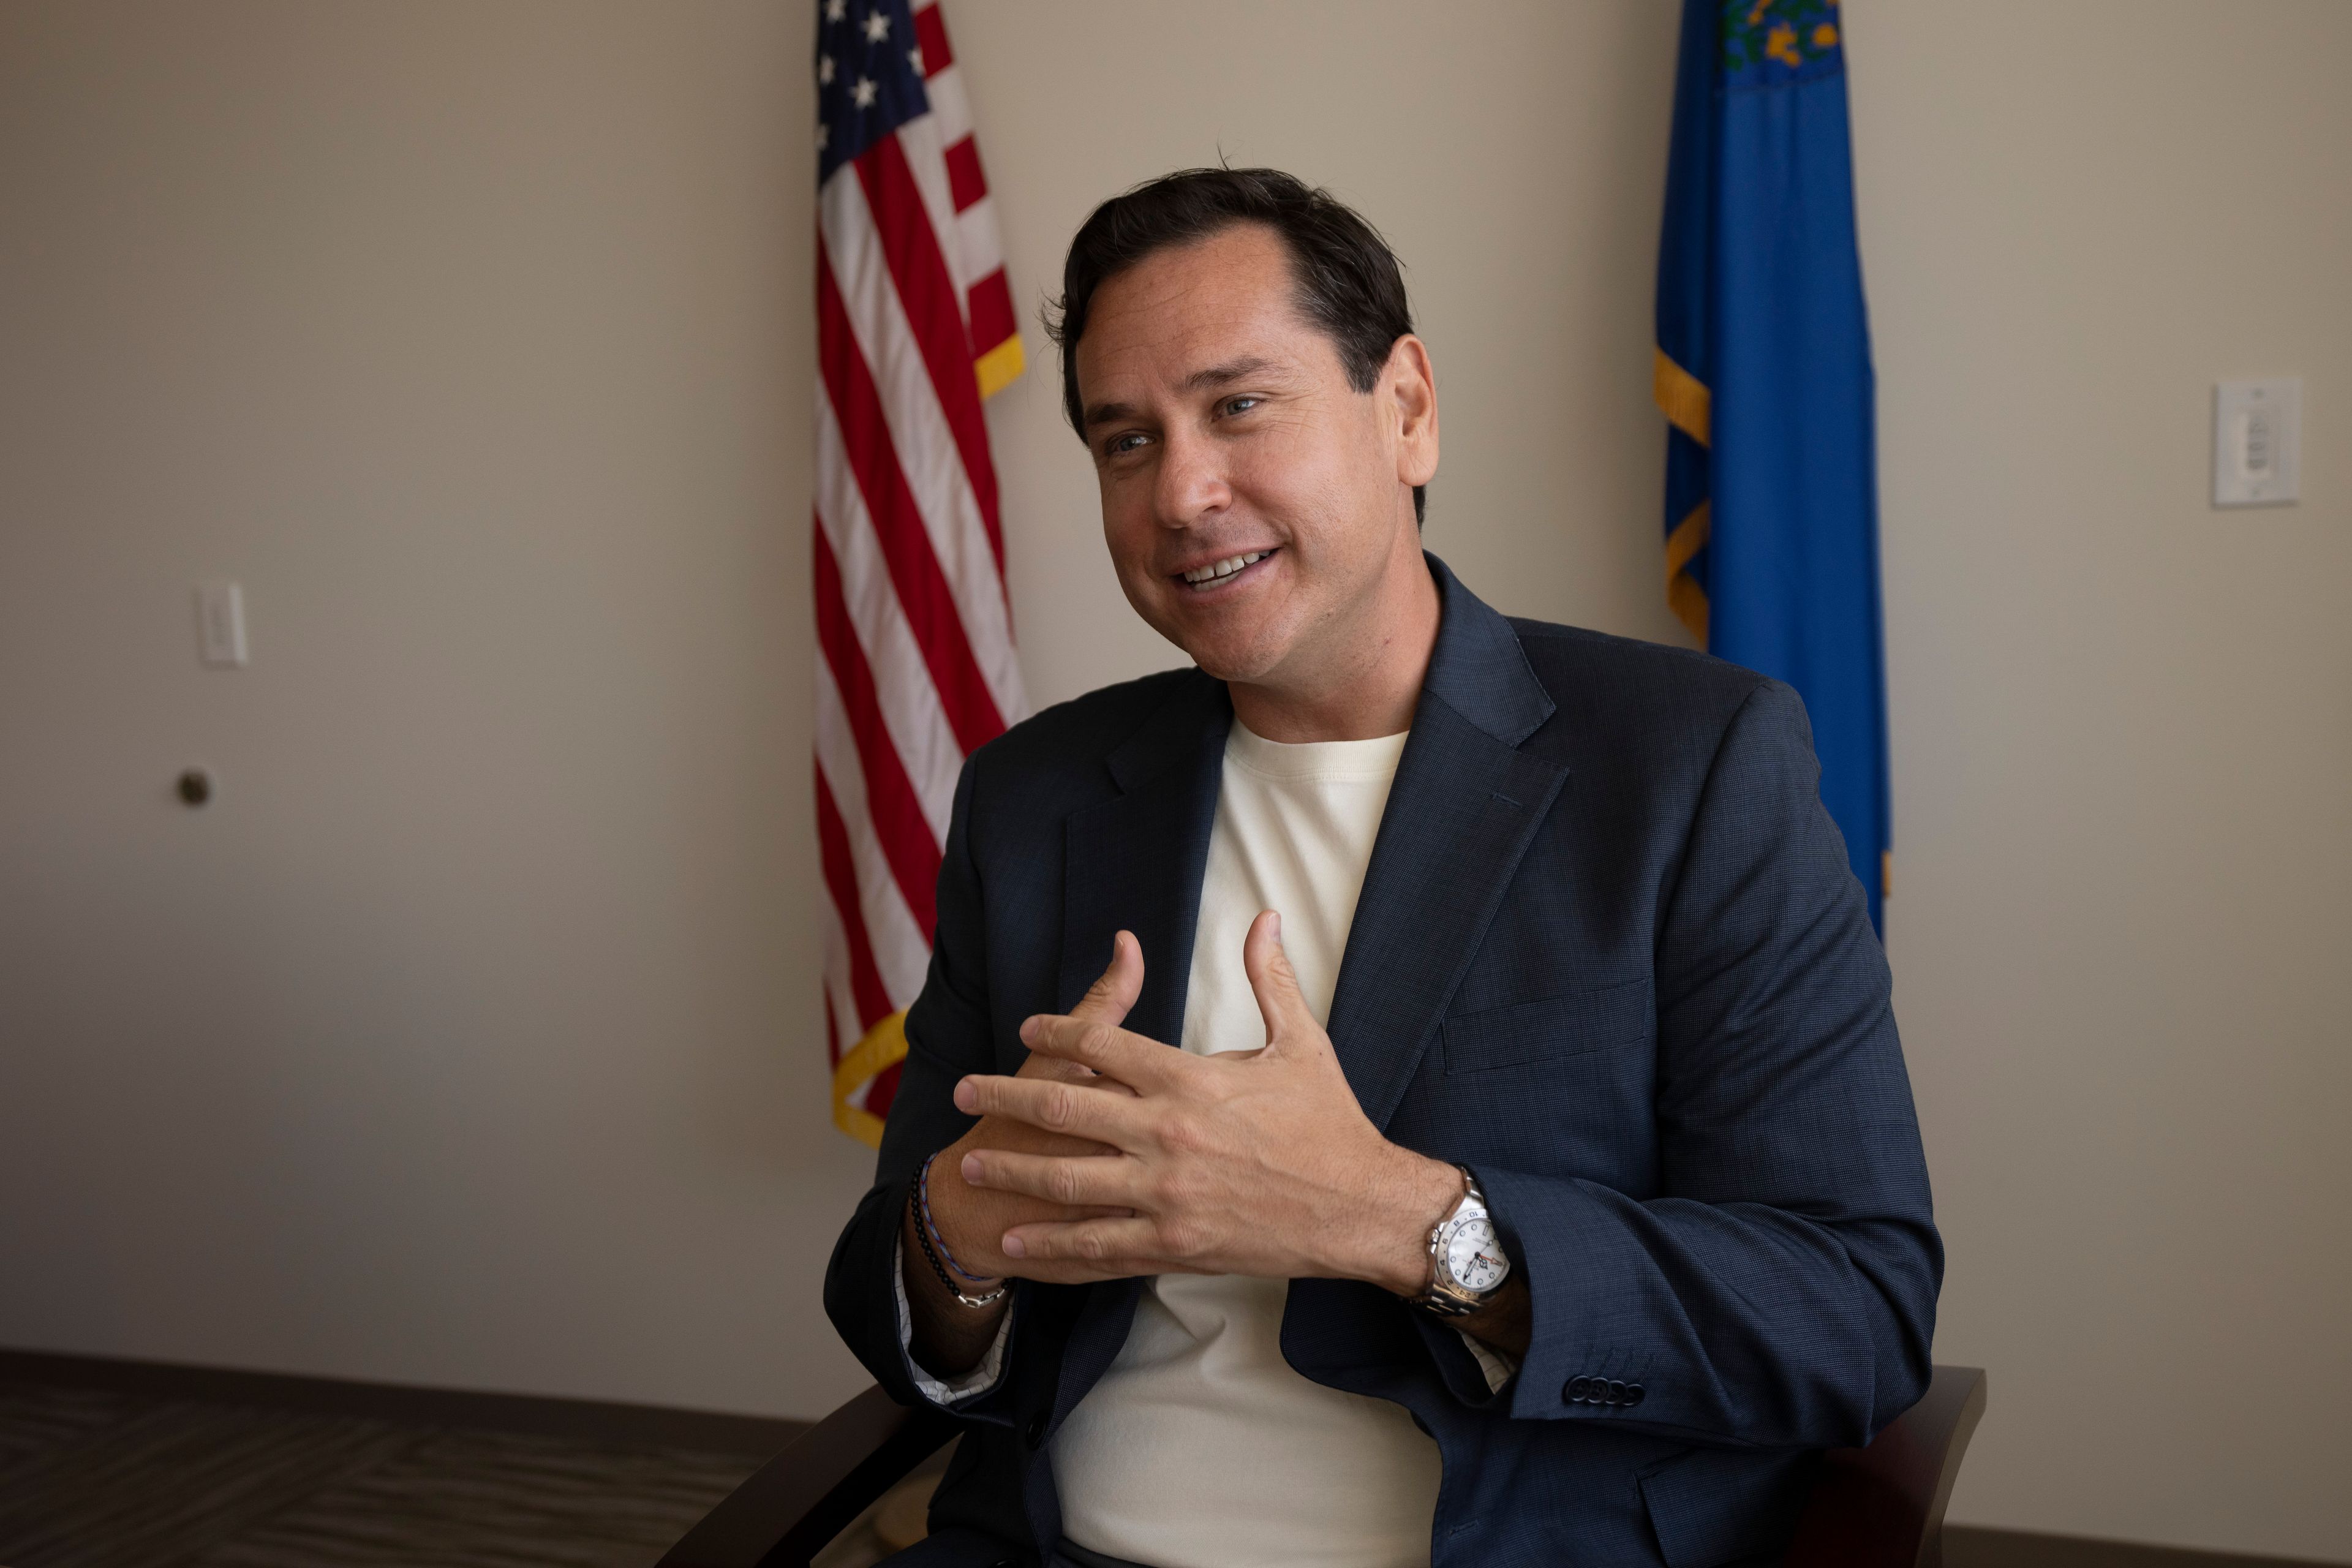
x,y
1200,1447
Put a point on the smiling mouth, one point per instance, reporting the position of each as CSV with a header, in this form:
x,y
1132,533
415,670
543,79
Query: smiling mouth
x,y
1216,572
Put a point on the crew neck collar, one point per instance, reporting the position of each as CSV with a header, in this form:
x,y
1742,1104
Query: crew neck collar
x,y
1313,759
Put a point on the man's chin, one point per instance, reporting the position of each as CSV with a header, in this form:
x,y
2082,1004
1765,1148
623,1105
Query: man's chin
x,y
1222,648
1247,660
1234,672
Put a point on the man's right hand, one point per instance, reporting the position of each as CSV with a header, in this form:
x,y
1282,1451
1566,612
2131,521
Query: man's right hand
x,y
974,1220
950,1338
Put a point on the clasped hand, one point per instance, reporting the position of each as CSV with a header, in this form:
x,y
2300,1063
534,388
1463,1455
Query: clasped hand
x,y
1152,1161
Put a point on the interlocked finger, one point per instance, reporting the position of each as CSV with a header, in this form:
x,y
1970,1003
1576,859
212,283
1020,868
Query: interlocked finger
x,y
1275,983
1103,1247
1115,990
1093,1181
1132,1059
1054,1106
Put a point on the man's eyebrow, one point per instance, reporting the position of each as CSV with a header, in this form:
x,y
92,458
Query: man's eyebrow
x,y
1107,413
1226,375
1215,375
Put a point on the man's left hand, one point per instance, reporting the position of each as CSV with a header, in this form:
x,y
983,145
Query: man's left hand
x,y
1258,1162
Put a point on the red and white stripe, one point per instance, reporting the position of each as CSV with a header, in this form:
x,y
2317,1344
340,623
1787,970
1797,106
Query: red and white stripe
x,y
915,326
976,256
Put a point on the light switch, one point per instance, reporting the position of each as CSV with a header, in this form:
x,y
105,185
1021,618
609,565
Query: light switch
x,y
220,623
2257,442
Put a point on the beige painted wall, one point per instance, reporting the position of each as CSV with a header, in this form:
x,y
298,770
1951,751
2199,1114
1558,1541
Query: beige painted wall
x,y
2123,743
470,1038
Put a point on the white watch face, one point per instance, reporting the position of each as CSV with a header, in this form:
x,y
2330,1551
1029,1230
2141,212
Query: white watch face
x,y
1473,1256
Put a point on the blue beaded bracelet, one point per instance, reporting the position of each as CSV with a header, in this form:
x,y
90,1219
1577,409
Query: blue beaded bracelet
x,y
932,1232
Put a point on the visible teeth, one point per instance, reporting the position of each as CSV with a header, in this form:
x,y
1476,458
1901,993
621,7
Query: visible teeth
x,y
1225,568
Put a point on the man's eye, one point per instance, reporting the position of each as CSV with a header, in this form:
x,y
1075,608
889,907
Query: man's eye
x,y
1241,405
1119,446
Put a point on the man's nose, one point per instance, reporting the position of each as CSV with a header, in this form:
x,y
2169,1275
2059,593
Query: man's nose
x,y
1191,483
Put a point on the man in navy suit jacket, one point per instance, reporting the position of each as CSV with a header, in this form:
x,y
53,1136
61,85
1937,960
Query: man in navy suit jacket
x,y
1608,989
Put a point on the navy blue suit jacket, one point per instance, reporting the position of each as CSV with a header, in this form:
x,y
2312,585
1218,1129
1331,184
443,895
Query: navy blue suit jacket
x,y
1609,955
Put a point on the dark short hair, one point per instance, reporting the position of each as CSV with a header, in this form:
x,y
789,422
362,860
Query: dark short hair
x,y
1350,284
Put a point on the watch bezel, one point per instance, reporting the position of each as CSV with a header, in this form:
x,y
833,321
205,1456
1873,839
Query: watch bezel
x,y
1444,1295
1464,1219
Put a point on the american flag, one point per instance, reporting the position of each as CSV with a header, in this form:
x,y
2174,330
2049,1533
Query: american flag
x,y
915,327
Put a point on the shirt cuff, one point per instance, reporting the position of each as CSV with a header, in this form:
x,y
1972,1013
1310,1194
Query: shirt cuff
x,y
950,1389
1499,1368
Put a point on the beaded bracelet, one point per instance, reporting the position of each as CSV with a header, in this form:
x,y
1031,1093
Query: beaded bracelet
x,y
935,1247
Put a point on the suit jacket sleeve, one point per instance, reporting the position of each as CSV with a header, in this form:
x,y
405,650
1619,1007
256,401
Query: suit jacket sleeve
x,y
948,1037
1780,1288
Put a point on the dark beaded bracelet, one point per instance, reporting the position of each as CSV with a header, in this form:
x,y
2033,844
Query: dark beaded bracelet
x,y
935,1247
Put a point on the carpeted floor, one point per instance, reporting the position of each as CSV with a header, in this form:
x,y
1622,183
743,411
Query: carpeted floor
x,y
93,1479
97,1478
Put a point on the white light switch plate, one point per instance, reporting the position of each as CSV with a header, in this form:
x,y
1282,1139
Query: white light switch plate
x,y
220,623
2258,442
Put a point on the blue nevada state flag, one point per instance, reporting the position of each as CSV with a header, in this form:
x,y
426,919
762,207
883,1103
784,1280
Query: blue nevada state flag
x,y
1763,372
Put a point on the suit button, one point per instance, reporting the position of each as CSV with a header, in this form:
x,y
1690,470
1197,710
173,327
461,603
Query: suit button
x,y
1578,1387
1633,1394
1035,1431
1616,1392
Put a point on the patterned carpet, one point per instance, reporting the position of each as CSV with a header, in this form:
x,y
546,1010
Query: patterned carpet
x,y
92,1479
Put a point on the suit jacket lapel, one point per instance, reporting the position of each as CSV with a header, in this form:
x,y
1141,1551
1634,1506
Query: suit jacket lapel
x,y
1466,806
1136,862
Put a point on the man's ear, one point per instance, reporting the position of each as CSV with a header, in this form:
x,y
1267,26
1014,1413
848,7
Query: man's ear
x,y
1410,383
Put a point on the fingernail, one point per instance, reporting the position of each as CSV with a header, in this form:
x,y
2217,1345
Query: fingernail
x,y
967,1097
1013,1248
1028,1031
971,1169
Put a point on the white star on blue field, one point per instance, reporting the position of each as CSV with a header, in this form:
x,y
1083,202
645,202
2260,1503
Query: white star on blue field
x,y
869,76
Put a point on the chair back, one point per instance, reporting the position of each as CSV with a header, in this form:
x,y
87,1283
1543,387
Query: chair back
x,y
802,1499
1882,1506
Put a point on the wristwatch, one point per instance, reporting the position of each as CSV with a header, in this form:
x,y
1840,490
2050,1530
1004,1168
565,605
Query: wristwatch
x,y
1466,1264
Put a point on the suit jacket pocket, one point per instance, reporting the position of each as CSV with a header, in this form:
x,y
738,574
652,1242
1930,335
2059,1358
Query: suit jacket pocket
x,y
1566,1025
